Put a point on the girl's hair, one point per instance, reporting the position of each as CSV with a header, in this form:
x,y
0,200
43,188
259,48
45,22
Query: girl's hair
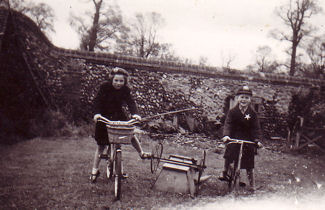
x,y
120,71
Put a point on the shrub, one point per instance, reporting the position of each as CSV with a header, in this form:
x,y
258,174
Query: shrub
x,y
52,123
310,106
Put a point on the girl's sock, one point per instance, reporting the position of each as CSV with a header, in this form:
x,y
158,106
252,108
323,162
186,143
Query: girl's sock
x,y
94,171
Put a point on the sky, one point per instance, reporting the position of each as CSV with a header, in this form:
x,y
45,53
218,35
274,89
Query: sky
x,y
215,29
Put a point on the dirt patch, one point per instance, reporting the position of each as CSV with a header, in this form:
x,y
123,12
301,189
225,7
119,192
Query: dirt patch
x,y
53,174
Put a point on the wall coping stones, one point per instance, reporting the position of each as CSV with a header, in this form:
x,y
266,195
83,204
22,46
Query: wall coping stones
x,y
174,67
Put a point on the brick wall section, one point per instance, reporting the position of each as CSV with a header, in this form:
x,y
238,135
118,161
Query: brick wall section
x,y
70,79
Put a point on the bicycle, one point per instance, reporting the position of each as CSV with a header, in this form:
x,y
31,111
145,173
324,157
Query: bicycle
x,y
233,172
119,132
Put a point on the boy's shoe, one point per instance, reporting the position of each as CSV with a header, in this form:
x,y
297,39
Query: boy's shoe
x,y
105,156
146,155
224,177
251,189
93,177
242,184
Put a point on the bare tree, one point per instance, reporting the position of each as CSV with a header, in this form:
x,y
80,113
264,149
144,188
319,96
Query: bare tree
x,y
105,29
295,15
94,29
42,14
142,41
203,61
18,5
264,60
262,57
316,52
228,60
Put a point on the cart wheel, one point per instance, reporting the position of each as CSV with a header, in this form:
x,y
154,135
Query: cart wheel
x,y
155,158
202,166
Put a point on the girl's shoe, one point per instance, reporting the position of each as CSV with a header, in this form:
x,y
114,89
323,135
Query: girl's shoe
x,y
224,177
93,177
146,155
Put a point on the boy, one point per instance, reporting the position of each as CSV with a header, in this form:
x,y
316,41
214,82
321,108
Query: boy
x,y
242,123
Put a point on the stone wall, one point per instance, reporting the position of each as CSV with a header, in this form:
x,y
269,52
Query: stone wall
x,y
69,80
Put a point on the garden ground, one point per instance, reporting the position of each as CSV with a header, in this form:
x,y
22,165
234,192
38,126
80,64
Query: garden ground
x,y
52,173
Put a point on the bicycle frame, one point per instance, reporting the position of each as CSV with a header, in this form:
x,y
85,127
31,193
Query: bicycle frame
x,y
123,133
234,172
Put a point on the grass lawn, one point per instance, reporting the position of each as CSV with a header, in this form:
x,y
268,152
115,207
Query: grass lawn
x,y
53,173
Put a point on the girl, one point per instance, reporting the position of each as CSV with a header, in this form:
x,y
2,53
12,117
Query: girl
x,y
108,103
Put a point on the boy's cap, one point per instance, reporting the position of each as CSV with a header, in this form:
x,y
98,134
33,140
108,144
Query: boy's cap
x,y
244,90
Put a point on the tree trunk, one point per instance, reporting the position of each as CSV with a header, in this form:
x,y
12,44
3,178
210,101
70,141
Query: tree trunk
x,y
293,59
94,28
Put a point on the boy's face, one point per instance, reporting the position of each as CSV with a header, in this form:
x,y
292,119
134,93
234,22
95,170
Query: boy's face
x,y
118,81
244,100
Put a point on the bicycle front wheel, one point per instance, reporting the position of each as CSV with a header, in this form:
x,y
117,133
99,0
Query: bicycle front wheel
x,y
118,175
231,177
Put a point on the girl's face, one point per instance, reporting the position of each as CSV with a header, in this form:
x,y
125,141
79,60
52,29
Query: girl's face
x,y
244,100
118,81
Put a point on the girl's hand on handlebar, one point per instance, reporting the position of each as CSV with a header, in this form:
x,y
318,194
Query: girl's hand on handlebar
x,y
225,139
136,117
97,116
259,145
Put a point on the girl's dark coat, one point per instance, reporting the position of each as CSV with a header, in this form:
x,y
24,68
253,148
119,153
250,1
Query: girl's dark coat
x,y
238,127
108,103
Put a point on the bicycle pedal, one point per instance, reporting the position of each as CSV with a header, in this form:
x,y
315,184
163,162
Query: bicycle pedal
x,y
104,156
125,176
224,179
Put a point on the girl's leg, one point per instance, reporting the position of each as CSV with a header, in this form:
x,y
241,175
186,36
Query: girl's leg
x,y
99,151
136,144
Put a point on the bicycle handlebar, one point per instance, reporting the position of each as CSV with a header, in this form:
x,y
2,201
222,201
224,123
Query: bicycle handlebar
x,y
240,141
117,123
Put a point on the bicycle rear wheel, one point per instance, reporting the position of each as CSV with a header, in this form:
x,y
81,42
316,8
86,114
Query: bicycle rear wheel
x,y
118,175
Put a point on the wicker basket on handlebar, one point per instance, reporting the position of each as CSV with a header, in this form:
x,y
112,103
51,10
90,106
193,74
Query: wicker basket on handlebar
x,y
120,134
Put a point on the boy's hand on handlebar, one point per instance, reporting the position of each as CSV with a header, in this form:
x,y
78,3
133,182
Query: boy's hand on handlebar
x,y
136,117
97,116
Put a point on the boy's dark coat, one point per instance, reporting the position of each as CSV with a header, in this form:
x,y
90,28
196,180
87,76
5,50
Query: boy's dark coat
x,y
245,127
